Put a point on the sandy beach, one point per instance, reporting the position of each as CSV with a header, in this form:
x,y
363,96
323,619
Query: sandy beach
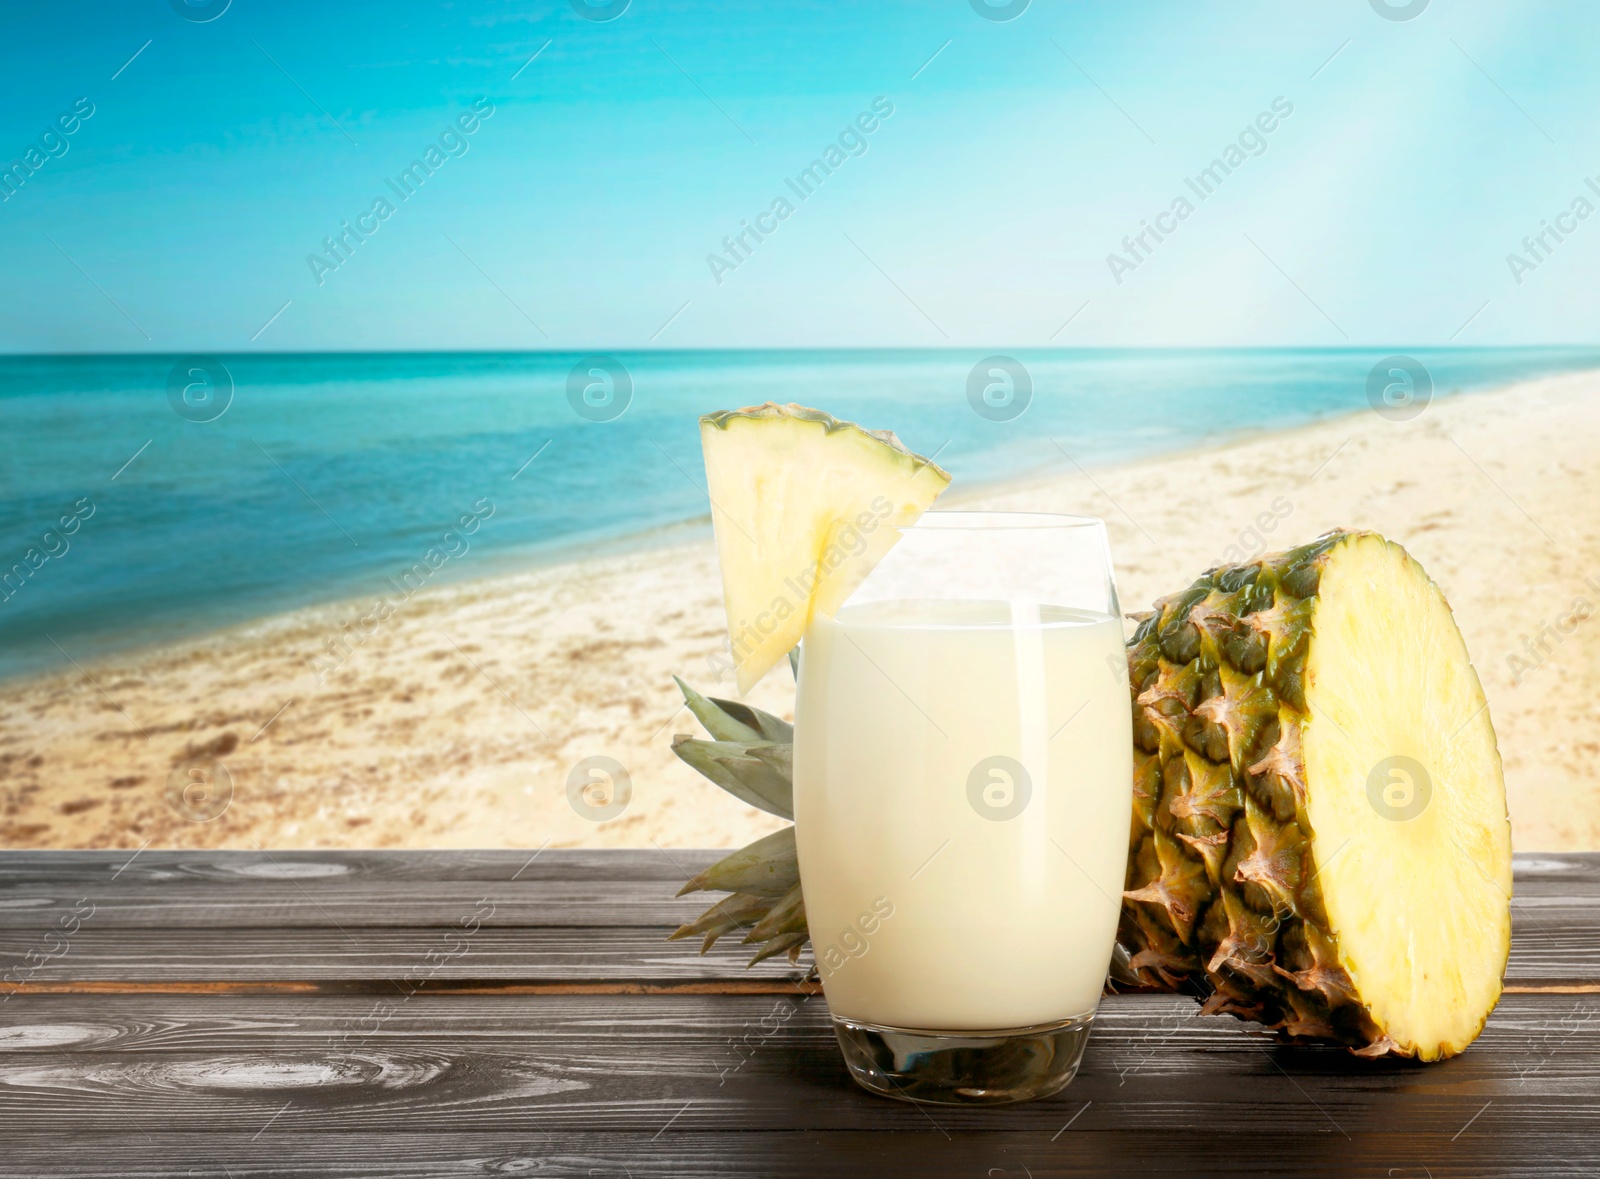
x,y
455,722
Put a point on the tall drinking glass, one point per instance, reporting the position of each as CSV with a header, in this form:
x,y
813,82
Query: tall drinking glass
x,y
963,788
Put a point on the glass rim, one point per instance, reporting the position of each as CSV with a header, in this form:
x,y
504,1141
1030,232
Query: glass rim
x,y
966,520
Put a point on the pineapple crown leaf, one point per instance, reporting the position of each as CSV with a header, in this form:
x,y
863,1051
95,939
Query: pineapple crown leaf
x,y
756,773
768,867
729,720
750,756
789,943
729,913
721,723
786,917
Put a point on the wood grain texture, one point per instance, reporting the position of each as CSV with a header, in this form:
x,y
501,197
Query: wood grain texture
x,y
698,1085
1393,1152
190,889
1562,949
558,916
182,889
384,952
561,1036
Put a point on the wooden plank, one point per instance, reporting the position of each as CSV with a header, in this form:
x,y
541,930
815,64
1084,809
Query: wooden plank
x,y
636,1074
804,1154
21,866
1559,947
809,985
415,905
557,887
1395,1152
201,873
626,953
570,916
792,985
691,1085
1555,953
199,888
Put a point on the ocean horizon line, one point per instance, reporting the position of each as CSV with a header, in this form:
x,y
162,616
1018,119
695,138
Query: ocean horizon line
x,y
819,349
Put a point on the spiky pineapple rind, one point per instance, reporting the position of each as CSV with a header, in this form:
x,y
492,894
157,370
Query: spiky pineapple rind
x,y
830,424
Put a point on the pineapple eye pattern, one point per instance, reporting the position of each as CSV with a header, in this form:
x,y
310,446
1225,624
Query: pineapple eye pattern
x,y
999,388
998,788
1399,788
1399,387
199,388
599,788
599,388
199,789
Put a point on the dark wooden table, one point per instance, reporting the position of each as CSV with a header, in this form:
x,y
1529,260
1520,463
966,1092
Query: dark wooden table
x,y
481,1013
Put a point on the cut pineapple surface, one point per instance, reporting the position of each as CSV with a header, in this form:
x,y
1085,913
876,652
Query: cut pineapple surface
x,y
1412,848
803,506
1320,839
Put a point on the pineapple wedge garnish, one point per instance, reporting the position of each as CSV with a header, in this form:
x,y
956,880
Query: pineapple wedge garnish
x,y
803,506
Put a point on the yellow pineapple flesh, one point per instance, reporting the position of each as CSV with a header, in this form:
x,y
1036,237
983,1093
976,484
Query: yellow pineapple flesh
x,y
803,506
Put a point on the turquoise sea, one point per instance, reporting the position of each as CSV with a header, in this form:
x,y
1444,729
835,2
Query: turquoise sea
x,y
329,473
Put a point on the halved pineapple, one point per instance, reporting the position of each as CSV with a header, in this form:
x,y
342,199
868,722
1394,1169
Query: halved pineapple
x,y
803,505
1320,837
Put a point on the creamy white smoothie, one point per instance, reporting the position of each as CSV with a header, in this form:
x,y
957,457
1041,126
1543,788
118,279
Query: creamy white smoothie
x,y
963,786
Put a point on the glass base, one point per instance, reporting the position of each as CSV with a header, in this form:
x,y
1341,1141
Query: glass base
x,y
963,1068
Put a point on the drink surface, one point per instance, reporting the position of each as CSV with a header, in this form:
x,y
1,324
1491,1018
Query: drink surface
x,y
963,787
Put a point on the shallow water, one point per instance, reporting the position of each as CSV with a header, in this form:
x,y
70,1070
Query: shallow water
x,y
329,474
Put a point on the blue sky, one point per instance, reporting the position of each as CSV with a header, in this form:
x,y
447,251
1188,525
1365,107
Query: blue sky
x,y
982,211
